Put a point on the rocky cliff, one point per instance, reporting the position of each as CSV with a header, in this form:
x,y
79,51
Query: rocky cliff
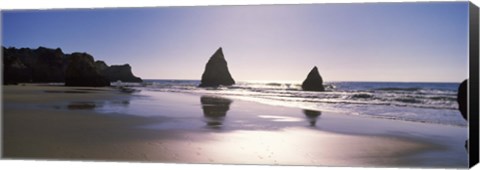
x,y
14,70
42,65
117,72
37,65
81,71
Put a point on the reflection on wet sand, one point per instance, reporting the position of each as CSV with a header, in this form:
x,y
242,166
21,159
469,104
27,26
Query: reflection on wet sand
x,y
215,109
84,105
312,116
121,102
65,91
81,106
164,127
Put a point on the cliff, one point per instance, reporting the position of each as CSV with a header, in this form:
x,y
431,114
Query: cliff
x,y
82,72
42,65
117,72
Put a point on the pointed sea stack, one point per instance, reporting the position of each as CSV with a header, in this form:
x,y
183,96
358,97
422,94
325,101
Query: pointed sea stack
x,y
313,82
216,71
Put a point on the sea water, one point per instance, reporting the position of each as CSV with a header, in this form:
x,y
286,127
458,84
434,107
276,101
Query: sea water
x,y
419,102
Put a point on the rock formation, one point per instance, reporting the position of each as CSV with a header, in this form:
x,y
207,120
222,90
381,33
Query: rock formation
x,y
462,98
100,65
43,65
313,82
117,72
38,65
14,71
82,72
50,65
216,71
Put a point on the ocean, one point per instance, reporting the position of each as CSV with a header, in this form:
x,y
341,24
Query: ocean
x,y
418,102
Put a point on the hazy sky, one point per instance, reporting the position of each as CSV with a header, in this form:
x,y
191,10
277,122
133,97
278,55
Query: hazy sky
x,y
347,42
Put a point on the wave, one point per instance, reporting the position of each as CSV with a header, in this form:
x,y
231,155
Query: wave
x,y
399,89
362,98
422,97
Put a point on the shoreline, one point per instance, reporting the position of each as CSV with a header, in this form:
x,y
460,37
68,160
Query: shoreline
x,y
171,127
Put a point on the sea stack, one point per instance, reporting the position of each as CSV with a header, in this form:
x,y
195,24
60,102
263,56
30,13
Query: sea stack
x,y
462,98
313,82
82,72
216,71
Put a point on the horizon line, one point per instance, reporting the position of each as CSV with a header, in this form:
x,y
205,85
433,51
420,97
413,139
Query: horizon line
x,y
276,81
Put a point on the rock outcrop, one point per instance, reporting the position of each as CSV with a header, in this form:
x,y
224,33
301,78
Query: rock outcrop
x,y
313,82
50,65
38,65
117,72
82,72
100,65
44,65
216,71
14,70
462,98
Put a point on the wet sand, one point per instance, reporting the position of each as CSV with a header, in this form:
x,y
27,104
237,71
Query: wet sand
x,y
68,123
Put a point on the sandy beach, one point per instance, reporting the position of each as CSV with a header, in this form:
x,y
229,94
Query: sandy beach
x,y
73,123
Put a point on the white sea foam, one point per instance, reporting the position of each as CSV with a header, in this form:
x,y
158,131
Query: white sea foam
x,y
420,102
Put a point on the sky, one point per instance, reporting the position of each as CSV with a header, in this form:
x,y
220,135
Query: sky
x,y
410,42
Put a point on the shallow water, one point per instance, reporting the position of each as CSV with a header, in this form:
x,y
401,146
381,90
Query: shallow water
x,y
418,102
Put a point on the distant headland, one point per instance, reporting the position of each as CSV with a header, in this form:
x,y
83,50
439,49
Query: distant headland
x,y
42,65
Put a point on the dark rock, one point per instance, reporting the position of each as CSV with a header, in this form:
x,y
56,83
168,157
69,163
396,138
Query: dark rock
x,y
118,73
82,72
462,98
14,70
39,65
313,82
50,65
100,66
44,65
216,71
